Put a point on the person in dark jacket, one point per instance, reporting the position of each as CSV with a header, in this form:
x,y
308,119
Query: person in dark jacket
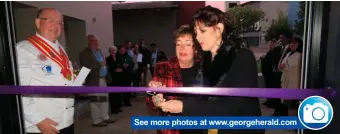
x,y
156,57
223,65
146,60
274,59
124,62
116,75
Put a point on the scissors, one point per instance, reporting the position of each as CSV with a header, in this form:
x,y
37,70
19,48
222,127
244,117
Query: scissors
x,y
151,93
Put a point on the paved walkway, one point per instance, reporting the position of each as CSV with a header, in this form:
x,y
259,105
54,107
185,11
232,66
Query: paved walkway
x,y
122,126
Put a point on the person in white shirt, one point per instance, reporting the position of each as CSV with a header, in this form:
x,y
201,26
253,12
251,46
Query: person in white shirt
x,y
291,71
156,56
129,48
137,70
42,61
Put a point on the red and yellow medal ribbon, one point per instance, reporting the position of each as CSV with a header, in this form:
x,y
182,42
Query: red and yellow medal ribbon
x,y
212,131
61,59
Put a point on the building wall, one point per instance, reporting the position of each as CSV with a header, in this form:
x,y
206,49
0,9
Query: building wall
x,y
186,10
152,25
217,4
28,28
27,15
75,33
272,8
87,11
227,4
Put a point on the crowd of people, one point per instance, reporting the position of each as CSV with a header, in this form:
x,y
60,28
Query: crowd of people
x,y
205,57
127,65
281,68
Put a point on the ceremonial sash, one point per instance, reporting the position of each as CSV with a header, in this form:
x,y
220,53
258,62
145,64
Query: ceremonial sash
x,y
60,58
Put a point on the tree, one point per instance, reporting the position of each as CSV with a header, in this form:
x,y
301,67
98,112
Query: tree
x,y
278,26
299,24
241,19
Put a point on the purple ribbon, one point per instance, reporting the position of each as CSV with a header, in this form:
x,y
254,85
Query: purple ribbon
x,y
243,92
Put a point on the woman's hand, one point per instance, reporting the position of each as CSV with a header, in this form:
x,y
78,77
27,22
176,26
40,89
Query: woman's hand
x,y
119,70
158,98
282,66
172,106
125,65
156,84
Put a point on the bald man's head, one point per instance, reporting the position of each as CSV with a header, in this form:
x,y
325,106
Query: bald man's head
x,y
49,23
92,42
44,10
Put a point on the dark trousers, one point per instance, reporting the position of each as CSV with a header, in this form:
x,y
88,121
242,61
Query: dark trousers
x,y
116,100
136,78
126,98
68,130
273,80
151,71
144,72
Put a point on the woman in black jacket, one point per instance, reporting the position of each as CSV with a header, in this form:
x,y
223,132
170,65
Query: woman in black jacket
x,y
223,65
116,80
125,63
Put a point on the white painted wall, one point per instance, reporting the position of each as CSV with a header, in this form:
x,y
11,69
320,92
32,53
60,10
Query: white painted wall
x,y
75,39
86,11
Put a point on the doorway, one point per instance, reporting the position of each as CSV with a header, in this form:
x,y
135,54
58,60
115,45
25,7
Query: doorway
x,y
75,37
11,121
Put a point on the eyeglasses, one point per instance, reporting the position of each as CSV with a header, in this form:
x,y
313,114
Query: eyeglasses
x,y
52,21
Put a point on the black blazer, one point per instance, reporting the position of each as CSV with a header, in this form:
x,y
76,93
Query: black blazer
x,y
273,57
230,68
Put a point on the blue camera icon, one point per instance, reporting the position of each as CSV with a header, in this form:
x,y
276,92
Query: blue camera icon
x,y
315,113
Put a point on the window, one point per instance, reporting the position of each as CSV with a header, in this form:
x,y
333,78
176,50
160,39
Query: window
x,y
231,5
252,41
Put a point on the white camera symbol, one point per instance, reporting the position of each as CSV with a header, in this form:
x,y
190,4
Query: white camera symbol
x,y
316,113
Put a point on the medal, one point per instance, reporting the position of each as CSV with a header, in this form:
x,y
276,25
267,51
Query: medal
x,y
68,77
42,57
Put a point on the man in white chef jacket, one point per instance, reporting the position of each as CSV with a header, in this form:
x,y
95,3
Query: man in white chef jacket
x,y
42,61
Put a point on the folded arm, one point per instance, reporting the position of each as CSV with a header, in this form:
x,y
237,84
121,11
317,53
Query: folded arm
x,y
84,61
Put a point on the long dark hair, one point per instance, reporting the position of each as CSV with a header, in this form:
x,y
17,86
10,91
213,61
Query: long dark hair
x,y
300,44
211,16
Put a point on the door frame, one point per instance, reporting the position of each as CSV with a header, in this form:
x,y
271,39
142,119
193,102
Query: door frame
x,y
315,49
11,119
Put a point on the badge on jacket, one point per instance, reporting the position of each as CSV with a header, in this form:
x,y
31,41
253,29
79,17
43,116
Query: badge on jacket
x,y
47,69
42,57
